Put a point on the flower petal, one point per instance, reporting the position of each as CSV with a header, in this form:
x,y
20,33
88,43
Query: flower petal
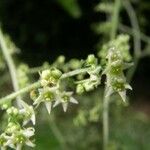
x,y
48,106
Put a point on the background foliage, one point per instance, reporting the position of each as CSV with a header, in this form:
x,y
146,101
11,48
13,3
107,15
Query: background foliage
x,y
45,29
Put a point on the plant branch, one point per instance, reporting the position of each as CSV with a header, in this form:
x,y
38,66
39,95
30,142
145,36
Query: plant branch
x,y
115,22
115,19
132,31
57,133
105,120
137,38
9,61
37,85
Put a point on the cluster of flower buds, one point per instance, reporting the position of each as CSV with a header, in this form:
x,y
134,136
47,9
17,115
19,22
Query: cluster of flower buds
x,y
94,76
121,43
16,134
50,93
22,71
116,81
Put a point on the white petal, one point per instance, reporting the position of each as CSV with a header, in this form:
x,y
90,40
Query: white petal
x,y
57,102
127,86
28,132
123,95
65,105
33,119
38,100
29,143
48,106
73,100
19,147
109,92
24,104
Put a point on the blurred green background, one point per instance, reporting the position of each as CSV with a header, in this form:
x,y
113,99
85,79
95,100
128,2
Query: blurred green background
x,y
45,29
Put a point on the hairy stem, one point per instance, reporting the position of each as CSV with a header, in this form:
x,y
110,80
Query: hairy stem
x,y
115,19
137,38
10,63
115,23
131,31
105,120
37,85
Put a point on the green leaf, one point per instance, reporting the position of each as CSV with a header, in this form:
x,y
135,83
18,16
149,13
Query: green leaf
x,y
71,6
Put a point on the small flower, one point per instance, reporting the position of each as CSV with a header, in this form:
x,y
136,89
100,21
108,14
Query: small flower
x,y
27,112
47,96
50,77
64,98
19,137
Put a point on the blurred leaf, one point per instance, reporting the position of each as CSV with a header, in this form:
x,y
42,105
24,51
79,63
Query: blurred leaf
x,y
71,6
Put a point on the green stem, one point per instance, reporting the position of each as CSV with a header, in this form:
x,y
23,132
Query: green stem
x,y
137,38
115,19
115,22
105,120
20,92
10,62
37,85
57,133
37,69
132,31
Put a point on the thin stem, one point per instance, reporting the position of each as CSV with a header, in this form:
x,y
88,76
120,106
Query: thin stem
x,y
132,31
19,147
137,38
135,26
105,120
37,85
9,61
37,69
115,19
57,133
20,92
115,22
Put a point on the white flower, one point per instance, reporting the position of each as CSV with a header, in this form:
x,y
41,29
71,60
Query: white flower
x,y
65,98
46,95
28,111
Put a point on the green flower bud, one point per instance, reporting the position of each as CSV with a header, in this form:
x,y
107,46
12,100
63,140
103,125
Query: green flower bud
x,y
12,111
91,60
34,94
6,105
56,73
114,55
80,89
20,139
116,67
88,86
46,74
61,59
75,64
12,127
118,84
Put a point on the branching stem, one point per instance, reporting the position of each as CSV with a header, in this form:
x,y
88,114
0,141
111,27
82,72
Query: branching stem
x,y
10,62
115,23
37,85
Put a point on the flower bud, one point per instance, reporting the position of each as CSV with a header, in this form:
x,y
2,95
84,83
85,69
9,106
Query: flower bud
x,y
46,74
91,60
118,84
80,89
56,73
33,94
